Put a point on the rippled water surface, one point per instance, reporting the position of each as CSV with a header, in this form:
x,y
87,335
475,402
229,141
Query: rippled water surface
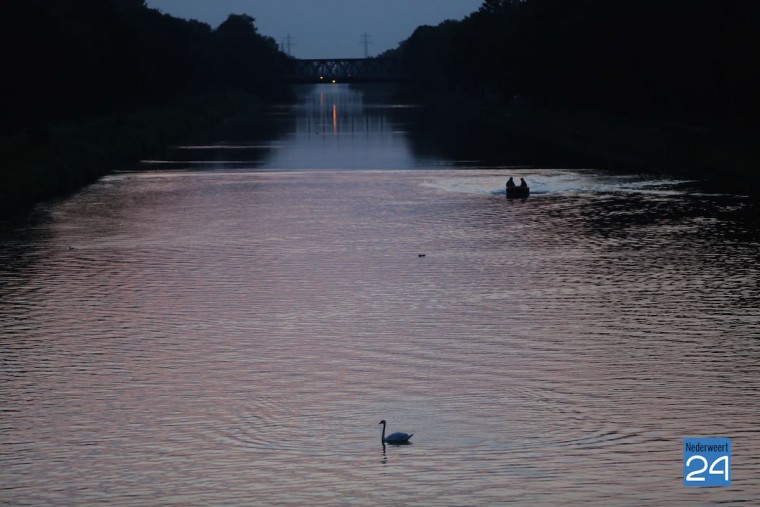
x,y
229,325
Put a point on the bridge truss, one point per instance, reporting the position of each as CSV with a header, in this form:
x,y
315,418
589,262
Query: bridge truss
x,y
345,70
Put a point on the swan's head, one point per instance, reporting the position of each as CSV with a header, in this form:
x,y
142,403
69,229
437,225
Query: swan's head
x,y
382,422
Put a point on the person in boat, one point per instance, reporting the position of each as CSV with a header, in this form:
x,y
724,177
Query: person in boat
x,y
510,182
522,183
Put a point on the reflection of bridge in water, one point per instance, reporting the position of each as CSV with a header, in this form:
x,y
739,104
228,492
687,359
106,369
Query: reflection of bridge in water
x,y
345,70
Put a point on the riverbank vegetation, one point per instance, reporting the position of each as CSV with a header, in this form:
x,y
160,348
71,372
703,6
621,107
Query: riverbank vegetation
x,y
94,84
63,157
669,83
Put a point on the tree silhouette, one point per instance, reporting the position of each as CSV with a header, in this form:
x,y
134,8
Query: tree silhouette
x,y
694,61
74,59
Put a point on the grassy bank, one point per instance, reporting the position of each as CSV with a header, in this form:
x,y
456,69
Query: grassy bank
x,y
725,159
53,159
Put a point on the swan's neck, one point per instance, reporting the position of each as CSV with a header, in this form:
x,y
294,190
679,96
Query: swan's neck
x,y
382,437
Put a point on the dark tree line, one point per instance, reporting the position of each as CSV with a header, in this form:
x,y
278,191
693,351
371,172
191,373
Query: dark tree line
x,y
679,60
64,59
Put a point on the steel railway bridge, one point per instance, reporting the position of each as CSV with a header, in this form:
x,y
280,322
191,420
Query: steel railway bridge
x,y
344,70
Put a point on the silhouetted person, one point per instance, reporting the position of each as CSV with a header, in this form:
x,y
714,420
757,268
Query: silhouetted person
x,y
510,182
522,183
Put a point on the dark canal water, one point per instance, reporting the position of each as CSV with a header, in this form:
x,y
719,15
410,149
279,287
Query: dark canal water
x,y
228,325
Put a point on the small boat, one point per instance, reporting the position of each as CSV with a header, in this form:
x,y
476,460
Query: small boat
x,y
517,192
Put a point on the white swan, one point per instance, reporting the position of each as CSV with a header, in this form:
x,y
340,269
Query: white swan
x,y
398,438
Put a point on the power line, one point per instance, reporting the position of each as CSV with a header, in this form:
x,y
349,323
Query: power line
x,y
365,40
287,45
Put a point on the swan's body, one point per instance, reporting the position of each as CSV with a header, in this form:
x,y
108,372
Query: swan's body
x,y
398,438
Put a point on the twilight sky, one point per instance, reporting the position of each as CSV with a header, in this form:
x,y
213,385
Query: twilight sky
x,y
327,28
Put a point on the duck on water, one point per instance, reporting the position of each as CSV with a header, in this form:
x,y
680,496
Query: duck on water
x,y
398,438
